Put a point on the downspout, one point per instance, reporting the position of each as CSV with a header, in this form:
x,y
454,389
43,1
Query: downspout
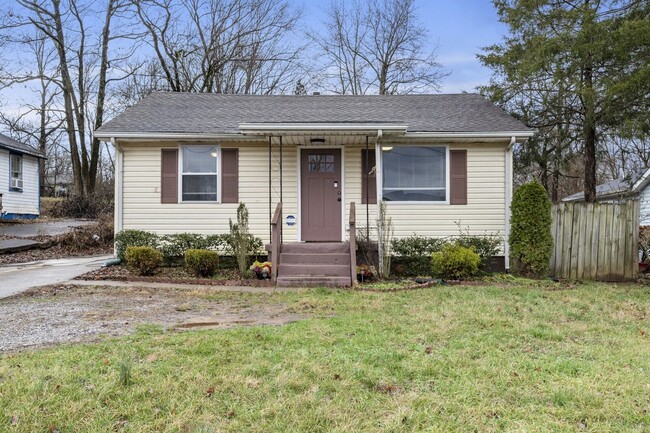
x,y
508,198
368,191
119,186
379,181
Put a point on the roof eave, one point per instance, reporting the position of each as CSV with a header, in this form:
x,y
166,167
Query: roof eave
x,y
34,153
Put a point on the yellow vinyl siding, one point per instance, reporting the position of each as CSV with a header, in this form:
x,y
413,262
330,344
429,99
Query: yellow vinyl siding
x,y
142,209
484,213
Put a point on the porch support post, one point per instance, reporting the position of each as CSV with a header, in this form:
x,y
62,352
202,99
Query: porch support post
x,y
281,163
270,204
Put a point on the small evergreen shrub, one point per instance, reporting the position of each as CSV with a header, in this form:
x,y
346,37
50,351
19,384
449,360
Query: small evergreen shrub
x,y
455,262
531,242
174,246
145,260
413,254
202,262
134,238
485,246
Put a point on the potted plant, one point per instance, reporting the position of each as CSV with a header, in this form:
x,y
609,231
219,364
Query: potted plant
x,y
262,270
364,272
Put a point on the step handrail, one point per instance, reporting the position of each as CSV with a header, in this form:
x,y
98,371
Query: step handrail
x,y
353,243
276,239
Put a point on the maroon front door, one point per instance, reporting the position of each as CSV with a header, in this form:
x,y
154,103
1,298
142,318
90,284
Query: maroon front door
x,y
320,177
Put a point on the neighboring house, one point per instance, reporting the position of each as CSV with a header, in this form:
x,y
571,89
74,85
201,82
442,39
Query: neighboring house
x,y
184,161
636,185
19,180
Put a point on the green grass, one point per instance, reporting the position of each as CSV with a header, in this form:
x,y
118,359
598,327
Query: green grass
x,y
450,358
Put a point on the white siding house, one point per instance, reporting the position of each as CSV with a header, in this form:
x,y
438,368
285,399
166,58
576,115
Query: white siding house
x,y
19,180
636,185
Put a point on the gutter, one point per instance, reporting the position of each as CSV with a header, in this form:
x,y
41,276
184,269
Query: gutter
x,y
248,129
518,135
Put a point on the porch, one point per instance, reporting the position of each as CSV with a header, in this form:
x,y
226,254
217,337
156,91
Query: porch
x,y
330,264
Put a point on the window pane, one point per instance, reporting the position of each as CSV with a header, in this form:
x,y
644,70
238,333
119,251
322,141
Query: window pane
x,y
199,187
199,159
415,173
415,195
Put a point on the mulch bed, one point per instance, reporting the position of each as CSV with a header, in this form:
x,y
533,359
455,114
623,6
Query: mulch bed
x,y
54,252
173,275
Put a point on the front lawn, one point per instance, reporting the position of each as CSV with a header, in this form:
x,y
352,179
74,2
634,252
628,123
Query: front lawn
x,y
447,358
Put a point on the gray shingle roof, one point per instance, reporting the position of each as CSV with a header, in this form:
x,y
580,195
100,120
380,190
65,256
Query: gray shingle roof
x,y
11,144
218,113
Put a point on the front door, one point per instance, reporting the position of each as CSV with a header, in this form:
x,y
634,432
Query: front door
x,y
320,176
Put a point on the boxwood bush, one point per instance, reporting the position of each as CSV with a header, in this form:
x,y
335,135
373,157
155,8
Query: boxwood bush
x,y
455,262
144,260
412,255
531,241
202,263
134,238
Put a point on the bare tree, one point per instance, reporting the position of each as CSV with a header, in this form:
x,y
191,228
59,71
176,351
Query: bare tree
x,y
69,30
223,46
379,48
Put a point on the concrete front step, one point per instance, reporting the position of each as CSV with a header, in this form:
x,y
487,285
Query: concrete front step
x,y
293,270
315,258
314,282
315,247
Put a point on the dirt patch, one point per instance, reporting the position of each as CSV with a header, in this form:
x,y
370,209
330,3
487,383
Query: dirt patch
x,y
174,275
67,314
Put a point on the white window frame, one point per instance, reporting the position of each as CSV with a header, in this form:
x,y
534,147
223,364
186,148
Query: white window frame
x,y
417,202
20,180
181,174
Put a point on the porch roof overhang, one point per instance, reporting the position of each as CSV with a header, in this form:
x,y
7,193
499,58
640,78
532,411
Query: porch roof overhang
x,y
267,129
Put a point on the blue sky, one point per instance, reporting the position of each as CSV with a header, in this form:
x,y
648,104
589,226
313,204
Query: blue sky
x,y
459,27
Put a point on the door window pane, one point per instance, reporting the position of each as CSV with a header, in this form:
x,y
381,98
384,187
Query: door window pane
x,y
320,163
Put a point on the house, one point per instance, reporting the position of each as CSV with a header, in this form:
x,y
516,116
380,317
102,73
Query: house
x,y
19,180
637,185
185,160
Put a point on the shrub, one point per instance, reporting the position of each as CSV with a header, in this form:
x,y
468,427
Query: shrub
x,y
485,246
202,262
455,262
145,260
175,245
531,242
90,205
134,238
240,241
99,235
413,254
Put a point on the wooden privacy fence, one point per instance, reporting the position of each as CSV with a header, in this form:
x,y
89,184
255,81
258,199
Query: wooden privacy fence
x,y
596,241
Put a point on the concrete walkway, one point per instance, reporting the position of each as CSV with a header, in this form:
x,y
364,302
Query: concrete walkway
x,y
147,284
45,228
22,276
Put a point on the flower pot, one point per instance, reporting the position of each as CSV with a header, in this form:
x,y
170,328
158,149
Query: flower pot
x,y
643,267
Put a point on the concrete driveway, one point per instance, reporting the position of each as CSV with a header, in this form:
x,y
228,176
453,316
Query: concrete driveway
x,y
20,277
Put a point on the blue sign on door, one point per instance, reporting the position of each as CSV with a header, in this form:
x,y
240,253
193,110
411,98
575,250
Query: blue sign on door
x,y
291,220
